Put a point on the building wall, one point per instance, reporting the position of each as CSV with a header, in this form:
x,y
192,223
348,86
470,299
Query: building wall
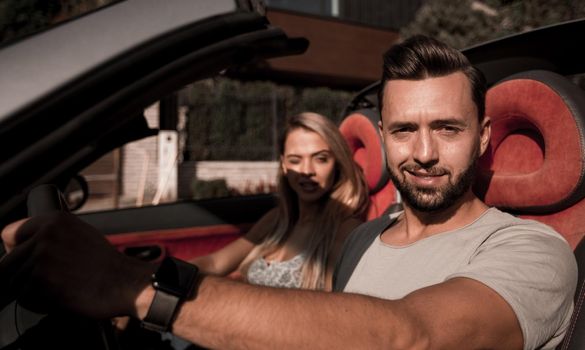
x,y
340,55
140,166
242,177
391,14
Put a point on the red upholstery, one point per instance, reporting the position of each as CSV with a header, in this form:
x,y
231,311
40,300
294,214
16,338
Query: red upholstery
x,y
184,243
535,164
361,132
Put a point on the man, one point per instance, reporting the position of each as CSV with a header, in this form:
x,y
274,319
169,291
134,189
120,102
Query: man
x,y
447,272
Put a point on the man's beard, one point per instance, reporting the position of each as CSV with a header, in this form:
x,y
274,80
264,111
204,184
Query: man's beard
x,y
428,199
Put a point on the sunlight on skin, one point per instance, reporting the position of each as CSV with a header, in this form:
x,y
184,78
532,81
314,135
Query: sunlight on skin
x,y
309,165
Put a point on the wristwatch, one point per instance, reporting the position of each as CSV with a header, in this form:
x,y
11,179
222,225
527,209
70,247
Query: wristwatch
x,y
173,281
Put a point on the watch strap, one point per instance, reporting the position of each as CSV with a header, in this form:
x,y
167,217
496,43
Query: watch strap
x,y
174,282
161,312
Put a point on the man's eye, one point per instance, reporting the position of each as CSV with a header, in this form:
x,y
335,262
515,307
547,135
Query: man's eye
x,y
449,130
294,161
401,132
403,129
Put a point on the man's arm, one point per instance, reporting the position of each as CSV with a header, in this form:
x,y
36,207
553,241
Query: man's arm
x,y
61,260
460,313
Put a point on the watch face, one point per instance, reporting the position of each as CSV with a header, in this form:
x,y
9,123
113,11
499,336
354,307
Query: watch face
x,y
175,277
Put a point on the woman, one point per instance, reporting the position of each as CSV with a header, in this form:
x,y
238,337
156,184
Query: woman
x,y
322,196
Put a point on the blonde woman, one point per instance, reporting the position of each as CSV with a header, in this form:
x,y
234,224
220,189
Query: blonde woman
x,y
322,197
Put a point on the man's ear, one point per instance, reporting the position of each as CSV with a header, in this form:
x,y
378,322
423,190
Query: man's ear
x,y
485,133
380,129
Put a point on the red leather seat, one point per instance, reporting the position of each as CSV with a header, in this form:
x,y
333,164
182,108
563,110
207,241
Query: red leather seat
x,y
535,165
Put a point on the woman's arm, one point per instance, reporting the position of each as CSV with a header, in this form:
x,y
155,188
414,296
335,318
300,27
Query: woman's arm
x,y
227,259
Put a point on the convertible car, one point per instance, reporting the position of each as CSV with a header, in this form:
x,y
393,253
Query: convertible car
x,y
73,93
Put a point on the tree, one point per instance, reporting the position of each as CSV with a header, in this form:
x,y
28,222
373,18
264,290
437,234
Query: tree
x,y
233,120
19,18
470,22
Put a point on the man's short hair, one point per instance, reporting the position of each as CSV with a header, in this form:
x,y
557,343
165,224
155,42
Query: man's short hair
x,y
421,57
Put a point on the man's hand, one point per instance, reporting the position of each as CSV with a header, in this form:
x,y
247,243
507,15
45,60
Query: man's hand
x,y
57,261
9,235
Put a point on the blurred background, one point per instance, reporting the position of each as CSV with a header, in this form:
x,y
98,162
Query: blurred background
x,y
219,137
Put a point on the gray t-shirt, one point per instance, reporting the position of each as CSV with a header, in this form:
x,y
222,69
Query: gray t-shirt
x,y
527,263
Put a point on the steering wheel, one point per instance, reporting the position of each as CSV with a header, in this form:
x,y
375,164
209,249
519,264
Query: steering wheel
x,y
24,329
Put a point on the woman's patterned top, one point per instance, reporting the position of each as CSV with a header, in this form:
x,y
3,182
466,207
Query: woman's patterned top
x,y
284,274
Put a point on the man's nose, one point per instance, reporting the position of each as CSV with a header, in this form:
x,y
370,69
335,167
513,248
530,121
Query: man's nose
x,y
425,149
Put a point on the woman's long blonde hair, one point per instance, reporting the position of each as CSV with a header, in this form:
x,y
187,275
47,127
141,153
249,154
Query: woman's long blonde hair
x,y
347,198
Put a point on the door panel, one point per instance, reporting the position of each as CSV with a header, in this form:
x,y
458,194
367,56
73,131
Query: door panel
x,y
184,229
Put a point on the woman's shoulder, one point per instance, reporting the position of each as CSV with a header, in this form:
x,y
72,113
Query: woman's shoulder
x,y
270,217
263,227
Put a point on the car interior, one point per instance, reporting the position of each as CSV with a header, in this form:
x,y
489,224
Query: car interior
x,y
534,168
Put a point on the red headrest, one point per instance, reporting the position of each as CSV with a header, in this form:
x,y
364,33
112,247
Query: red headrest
x,y
535,163
360,130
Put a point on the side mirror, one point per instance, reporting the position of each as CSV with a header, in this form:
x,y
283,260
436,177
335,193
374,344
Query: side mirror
x,y
76,192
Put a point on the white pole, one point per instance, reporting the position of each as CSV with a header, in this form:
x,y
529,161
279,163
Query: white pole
x,y
335,8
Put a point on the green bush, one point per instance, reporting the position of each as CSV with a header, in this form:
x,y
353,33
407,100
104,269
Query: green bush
x,y
232,120
470,22
202,189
